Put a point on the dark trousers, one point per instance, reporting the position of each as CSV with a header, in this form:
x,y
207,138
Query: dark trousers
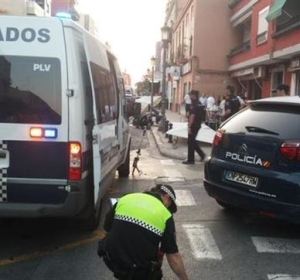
x,y
193,146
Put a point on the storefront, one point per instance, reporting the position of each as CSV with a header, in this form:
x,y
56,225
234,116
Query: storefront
x,y
295,70
249,82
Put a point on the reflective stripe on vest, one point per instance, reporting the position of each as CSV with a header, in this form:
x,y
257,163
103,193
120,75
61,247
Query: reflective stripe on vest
x,y
144,210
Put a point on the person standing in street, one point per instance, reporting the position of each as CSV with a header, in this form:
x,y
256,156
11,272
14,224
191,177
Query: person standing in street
x,y
196,117
283,90
232,103
187,103
140,230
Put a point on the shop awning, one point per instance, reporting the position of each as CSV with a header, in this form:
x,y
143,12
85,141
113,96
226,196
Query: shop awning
x,y
275,10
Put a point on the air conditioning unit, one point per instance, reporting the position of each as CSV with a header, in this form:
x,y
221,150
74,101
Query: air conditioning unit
x,y
260,72
33,9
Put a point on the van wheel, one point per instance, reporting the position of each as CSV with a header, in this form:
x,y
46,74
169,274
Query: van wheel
x,y
91,218
124,169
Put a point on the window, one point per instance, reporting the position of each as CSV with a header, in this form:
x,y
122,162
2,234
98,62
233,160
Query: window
x,y
290,16
30,90
263,24
277,78
105,93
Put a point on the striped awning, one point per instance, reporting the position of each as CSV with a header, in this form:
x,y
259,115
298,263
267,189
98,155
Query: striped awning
x,y
276,10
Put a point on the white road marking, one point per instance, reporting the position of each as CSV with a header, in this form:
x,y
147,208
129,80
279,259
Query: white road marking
x,y
167,162
202,242
184,198
276,245
175,179
172,173
283,277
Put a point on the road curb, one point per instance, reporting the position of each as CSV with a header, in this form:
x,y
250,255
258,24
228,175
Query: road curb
x,y
163,151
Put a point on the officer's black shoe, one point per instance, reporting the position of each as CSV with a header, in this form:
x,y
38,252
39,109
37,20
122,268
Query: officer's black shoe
x,y
188,162
203,158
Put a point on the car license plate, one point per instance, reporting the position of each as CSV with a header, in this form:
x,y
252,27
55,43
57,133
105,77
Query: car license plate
x,y
241,178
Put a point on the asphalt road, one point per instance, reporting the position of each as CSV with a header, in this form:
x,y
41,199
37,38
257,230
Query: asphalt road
x,y
216,244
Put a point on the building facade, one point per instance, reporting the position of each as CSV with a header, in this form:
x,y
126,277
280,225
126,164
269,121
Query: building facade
x,y
202,37
63,6
25,7
267,46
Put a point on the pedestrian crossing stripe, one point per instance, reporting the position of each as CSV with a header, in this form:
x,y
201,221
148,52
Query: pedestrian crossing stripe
x,y
167,162
184,198
172,173
202,242
276,245
283,277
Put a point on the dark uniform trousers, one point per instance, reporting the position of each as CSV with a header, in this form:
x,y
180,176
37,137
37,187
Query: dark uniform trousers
x,y
193,146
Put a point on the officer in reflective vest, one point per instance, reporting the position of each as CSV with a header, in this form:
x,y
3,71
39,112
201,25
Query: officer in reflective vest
x,y
140,230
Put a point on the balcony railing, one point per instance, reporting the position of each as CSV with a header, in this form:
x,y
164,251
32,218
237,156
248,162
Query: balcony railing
x,y
291,24
241,48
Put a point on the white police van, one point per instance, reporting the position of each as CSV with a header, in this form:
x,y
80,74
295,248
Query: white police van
x,y
63,133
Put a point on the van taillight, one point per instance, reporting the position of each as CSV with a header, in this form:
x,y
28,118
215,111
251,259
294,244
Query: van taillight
x,y
75,161
290,150
218,138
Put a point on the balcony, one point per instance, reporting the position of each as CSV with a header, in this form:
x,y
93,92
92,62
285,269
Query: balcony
x,y
245,46
287,26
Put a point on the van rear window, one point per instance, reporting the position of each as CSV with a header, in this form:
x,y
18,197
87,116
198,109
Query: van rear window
x,y
30,90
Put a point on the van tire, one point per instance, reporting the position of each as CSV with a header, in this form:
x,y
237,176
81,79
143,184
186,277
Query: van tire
x,y
124,169
90,216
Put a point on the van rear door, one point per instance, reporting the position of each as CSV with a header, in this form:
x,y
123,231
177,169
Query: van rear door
x,y
33,110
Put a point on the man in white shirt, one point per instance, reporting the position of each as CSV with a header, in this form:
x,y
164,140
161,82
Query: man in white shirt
x,y
187,102
210,102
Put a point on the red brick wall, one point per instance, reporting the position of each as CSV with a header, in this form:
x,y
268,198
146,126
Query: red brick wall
x,y
255,50
287,40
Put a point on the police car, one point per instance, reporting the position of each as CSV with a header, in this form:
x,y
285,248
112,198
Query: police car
x,y
63,132
255,160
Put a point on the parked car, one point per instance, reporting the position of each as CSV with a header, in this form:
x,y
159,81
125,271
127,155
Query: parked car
x,y
255,160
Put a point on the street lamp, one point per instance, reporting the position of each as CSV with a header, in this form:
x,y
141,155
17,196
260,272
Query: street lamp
x,y
165,38
153,61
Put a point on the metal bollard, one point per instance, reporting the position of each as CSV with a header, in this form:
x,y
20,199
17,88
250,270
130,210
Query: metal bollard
x,y
170,136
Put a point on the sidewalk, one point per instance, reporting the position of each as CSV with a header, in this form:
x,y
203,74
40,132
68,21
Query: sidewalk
x,y
176,150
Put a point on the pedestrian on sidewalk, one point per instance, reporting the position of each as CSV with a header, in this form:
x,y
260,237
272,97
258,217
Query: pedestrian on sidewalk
x,y
140,230
196,117
187,103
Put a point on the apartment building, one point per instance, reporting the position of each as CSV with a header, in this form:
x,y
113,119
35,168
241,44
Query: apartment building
x,y
202,37
267,46
25,7
67,6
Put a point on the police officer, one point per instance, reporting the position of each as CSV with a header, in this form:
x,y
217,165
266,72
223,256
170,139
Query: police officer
x,y
140,229
196,117
232,103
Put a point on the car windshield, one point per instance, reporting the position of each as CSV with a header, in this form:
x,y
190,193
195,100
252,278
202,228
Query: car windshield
x,y
30,90
278,120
